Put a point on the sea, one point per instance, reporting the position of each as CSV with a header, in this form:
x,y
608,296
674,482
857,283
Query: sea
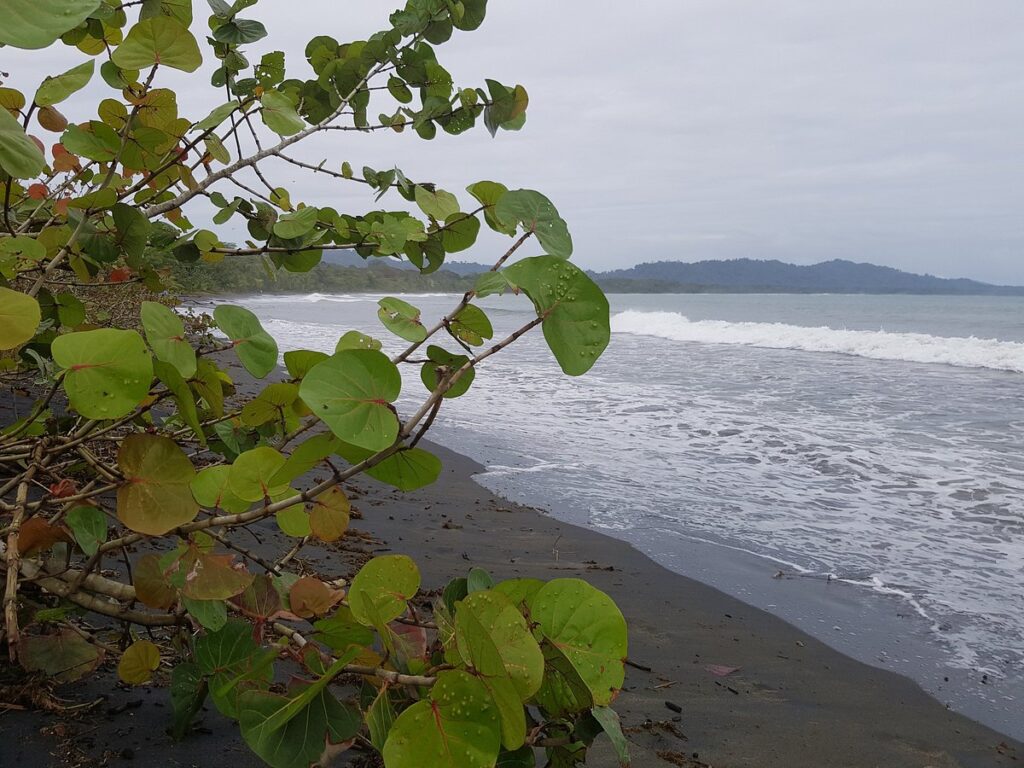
x,y
851,463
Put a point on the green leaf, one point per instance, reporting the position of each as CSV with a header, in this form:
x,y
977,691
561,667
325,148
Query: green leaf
x,y
430,373
214,577
300,361
488,193
20,157
536,213
156,497
132,230
609,721
298,224
356,340
402,319
586,626
574,310
19,317
210,488
303,737
212,614
406,469
89,526
217,116
494,638
306,456
100,142
252,474
352,392
379,592
457,728
473,12
272,404
240,32
158,40
188,691
107,371
471,325
232,661
166,335
279,114
341,631
379,718
437,203
183,396
460,231
38,23
256,348
55,89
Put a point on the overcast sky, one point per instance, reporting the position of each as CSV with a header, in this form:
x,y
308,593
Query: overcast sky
x,y
802,130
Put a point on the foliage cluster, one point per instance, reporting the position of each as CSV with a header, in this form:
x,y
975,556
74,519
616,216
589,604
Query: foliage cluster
x,y
134,453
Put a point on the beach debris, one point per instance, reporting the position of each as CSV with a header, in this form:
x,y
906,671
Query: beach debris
x,y
636,665
674,707
720,670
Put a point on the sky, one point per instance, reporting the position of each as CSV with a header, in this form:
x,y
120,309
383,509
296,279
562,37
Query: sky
x,y
799,130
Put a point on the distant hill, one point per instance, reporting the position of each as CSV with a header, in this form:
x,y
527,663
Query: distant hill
x,y
745,276
749,275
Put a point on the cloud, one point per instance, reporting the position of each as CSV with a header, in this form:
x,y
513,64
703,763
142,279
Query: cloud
x,y
690,129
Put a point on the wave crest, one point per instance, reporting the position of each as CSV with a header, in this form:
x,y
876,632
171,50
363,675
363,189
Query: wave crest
x,y
965,352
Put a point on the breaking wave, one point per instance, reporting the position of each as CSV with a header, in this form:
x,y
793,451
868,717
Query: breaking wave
x,y
965,352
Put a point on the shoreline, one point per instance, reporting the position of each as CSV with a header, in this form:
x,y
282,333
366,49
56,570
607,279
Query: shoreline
x,y
882,628
728,686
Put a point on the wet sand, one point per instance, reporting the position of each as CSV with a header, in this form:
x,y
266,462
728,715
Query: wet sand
x,y
792,702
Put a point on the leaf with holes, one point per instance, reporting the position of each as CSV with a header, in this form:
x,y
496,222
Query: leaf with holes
x,y
352,392
156,497
107,371
402,319
471,325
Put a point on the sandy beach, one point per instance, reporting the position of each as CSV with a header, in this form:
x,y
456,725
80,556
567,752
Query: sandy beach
x,y
714,682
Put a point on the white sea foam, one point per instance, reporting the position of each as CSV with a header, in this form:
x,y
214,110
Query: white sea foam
x,y
966,352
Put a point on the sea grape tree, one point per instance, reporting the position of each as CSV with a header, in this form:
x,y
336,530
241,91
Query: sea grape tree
x,y
129,443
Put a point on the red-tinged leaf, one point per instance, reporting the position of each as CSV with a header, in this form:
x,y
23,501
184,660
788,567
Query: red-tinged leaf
x,y
42,147
311,597
66,487
719,670
214,577
61,206
38,191
119,275
260,600
410,640
37,535
151,585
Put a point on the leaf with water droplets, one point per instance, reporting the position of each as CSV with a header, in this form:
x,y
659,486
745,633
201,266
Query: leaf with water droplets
x,y
574,310
457,728
107,371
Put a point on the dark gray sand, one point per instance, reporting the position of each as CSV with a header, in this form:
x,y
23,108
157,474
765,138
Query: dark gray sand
x,y
792,703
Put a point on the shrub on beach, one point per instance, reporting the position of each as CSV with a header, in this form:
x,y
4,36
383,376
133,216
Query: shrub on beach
x,y
135,450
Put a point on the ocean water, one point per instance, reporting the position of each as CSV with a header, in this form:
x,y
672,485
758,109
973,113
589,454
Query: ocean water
x,y
862,450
